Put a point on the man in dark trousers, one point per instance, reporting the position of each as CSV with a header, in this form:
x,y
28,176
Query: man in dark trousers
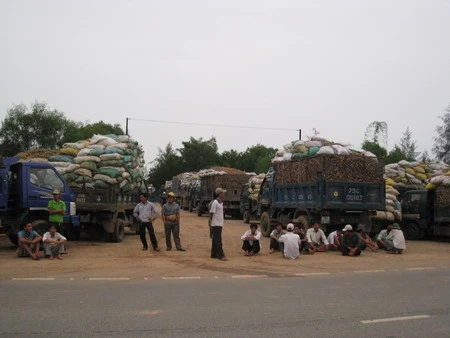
x,y
250,240
351,244
216,217
170,215
145,212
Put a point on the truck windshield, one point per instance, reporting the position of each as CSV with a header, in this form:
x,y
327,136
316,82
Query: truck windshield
x,y
46,178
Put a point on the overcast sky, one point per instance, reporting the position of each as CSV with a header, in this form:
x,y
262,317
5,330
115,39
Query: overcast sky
x,y
335,66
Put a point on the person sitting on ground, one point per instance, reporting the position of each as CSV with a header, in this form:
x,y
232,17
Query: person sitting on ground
x,y
305,247
334,240
381,238
317,239
251,241
29,242
291,243
395,240
274,236
53,243
365,239
351,242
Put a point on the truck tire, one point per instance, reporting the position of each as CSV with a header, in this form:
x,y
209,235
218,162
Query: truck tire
x,y
119,232
40,226
14,239
199,210
265,224
246,217
191,206
72,233
412,231
303,220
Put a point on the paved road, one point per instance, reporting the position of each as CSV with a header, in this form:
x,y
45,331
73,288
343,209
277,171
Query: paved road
x,y
388,304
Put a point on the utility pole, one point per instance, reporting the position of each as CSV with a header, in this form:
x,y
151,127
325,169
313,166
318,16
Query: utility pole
x,y
299,134
126,126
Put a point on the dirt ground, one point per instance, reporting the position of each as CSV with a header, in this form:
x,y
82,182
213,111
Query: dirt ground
x,y
89,258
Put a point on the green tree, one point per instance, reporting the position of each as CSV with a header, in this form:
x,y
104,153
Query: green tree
x,y
34,128
395,155
375,148
77,131
231,158
197,154
407,146
441,147
257,158
166,165
425,157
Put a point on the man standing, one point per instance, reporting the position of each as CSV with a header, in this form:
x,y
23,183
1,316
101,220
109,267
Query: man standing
x,y
216,217
145,212
56,209
251,239
351,242
29,242
170,215
291,243
53,243
274,236
316,238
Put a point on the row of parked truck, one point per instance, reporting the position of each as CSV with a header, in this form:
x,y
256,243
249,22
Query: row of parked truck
x,y
330,189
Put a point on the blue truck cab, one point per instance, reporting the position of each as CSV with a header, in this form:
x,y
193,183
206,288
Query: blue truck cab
x,y
25,190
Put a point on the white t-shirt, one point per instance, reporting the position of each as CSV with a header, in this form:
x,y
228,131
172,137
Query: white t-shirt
x,y
217,211
332,236
257,235
291,245
397,238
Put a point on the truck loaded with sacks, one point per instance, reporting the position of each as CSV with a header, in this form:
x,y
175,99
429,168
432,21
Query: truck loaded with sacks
x,y
230,179
105,174
185,186
321,181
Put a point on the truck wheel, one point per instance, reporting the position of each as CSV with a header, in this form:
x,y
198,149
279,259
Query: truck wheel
x,y
191,207
119,232
246,217
199,210
14,239
265,224
412,231
303,220
40,226
72,233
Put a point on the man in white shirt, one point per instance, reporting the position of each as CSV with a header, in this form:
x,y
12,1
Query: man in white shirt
x,y
216,217
316,238
53,243
291,243
251,239
395,240
334,240
381,238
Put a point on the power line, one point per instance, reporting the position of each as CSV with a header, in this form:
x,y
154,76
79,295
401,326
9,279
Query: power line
x,y
212,125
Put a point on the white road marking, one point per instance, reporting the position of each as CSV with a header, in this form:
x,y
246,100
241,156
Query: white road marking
x,y
369,271
393,319
109,278
420,269
249,276
312,274
192,277
35,278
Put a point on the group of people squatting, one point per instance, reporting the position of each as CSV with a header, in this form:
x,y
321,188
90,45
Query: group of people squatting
x,y
290,242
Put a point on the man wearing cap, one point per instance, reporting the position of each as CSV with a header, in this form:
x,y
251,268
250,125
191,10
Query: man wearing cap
x,y
291,243
145,212
395,240
351,242
216,217
170,215
56,209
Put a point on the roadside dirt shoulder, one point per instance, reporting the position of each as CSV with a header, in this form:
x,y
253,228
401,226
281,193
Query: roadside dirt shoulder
x,y
95,259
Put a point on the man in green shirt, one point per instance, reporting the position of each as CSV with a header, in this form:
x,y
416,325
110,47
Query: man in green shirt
x,y
56,209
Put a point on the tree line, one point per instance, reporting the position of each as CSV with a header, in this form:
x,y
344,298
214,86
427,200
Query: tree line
x,y
40,127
